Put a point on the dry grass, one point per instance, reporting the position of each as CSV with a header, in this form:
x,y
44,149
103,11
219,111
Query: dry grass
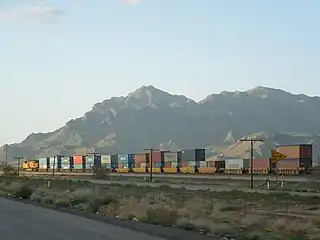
x,y
227,213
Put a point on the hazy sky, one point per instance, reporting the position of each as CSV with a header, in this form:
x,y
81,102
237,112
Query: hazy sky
x,y
59,57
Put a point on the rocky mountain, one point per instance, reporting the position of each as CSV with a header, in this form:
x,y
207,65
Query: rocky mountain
x,y
149,117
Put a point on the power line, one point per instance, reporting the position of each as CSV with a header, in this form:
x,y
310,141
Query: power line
x,y
251,155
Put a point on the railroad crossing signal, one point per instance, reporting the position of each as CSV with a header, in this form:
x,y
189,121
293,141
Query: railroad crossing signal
x,y
277,156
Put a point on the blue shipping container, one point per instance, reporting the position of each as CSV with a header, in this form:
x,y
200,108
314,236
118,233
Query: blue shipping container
x,y
131,160
97,161
200,155
114,161
158,165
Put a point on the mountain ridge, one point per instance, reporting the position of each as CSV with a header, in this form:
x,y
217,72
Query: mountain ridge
x,y
150,117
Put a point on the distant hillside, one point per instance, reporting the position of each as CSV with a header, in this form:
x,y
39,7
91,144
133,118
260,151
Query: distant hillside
x,y
149,117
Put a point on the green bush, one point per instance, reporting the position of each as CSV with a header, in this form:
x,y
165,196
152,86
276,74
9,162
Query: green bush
x,y
23,192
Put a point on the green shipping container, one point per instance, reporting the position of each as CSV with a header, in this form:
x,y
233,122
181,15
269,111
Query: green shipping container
x,y
78,166
246,163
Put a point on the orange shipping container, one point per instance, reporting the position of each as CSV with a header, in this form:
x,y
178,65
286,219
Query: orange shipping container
x,y
292,151
78,159
141,157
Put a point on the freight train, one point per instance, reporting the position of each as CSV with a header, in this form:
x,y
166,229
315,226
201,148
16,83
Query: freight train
x,y
188,161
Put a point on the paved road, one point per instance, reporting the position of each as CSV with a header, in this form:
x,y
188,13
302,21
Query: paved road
x,y
28,222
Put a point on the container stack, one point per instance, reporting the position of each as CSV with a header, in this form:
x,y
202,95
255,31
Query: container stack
x,y
43,163
106,161
131,160
170,159
55,162
123,161
65,163
141,160
97,160
298,156
78,162
157,159
89,162
114,161
192,157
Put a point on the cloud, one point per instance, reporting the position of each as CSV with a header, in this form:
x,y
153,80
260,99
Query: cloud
x,y
131,2
40,13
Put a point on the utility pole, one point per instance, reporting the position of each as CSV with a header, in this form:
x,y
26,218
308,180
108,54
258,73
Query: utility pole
x,y
54,163
151,159
18,158
251,155
6,156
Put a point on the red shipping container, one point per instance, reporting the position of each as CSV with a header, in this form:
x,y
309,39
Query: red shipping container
x,y
260,163
156,156
167,164
292,151
137,165
141,157
78,159
289,163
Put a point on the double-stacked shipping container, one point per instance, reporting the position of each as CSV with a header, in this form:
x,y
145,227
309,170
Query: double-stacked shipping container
x,y
141,162
171,162
79,162
190,160
299,157
67,163
106,161
55,162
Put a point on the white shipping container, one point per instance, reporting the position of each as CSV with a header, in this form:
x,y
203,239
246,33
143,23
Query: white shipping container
x,y
203,164
105,159
43,166
192,163
174,164
234,163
